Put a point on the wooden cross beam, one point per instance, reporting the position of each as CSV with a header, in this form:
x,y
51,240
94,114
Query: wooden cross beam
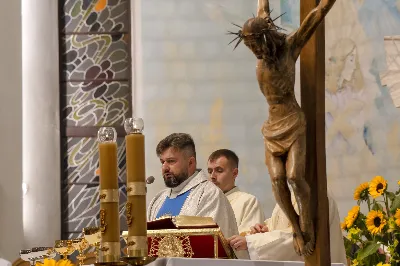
x,y
312,80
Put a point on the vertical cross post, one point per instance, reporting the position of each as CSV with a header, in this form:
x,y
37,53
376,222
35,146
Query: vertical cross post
x,y
312,80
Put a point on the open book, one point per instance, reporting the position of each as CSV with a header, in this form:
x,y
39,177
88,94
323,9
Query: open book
x,y
181,222
186,236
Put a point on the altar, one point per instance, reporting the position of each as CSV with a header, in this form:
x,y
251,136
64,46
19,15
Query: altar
x,y
214,262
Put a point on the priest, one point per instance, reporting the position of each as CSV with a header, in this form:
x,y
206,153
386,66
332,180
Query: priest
x,y
273,240
223,169
188,191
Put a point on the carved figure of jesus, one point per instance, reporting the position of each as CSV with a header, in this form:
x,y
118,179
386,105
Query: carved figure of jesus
x,y
285,130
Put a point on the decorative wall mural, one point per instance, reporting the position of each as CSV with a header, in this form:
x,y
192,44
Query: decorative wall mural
x,y
391,76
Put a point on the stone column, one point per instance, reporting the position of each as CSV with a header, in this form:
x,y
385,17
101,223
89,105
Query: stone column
x,y
41,124
137,60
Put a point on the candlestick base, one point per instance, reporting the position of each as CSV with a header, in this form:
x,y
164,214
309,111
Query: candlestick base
x,y
116,263
138,261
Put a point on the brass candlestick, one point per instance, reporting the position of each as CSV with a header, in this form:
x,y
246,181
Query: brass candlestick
x,y
51,253
93,236
64,248
80,244
110,247
136,191
137,261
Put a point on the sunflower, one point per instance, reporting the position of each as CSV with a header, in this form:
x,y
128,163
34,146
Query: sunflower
x,y
64,262
375,222
47,262
377,186
391,225
398,183
353,234
352,216
361,191
381,264
354,262
397,217
343,225
53,262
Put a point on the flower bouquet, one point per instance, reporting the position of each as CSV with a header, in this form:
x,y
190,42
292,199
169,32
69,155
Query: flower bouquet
x,y
372,239
53,262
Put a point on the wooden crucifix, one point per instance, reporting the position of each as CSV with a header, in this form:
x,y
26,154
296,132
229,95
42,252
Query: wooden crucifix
x,y
294,136
312,84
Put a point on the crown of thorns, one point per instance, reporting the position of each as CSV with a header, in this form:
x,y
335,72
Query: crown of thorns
x,y
261,33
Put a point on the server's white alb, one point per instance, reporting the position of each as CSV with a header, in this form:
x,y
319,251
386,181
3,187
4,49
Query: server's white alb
x,y
277,244
246,207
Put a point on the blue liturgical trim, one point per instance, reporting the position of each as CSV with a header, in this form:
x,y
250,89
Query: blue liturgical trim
x,y
173,206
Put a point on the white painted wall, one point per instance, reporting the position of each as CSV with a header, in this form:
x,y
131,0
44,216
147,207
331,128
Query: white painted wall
x,y
193,82
11,231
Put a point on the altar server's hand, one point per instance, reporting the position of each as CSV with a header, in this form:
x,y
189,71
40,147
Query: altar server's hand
x,y
258,228
238,242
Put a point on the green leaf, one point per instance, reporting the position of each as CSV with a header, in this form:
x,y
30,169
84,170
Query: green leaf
x,y
395,204
391,195
348,247
385,238
374,259
369,249
377,207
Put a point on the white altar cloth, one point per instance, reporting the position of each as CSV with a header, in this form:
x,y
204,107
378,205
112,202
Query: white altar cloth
x,y
4,262
223,262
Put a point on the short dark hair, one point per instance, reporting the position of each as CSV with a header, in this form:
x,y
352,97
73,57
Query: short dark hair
x,y
179,141
228,154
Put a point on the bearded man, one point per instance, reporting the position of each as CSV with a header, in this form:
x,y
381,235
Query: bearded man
x,y
188,190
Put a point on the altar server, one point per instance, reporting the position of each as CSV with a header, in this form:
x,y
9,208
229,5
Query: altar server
x,y
273,240
223,169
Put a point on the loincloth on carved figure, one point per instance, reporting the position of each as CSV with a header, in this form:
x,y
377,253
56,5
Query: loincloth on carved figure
x,y
281,134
